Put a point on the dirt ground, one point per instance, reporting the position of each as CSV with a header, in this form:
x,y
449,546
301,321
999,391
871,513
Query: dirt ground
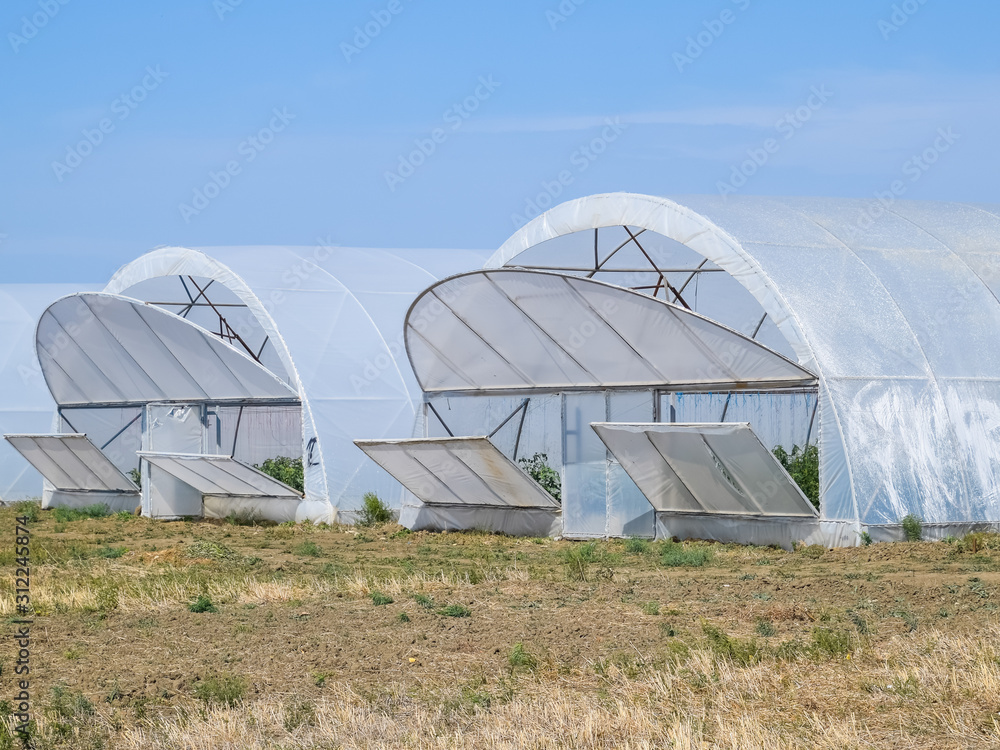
x,y
891,645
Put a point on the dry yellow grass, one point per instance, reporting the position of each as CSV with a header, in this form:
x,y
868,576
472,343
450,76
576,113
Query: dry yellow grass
x,y
737,708
635,654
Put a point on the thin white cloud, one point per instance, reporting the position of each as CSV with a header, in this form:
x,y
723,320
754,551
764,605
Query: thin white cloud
x,y
877,98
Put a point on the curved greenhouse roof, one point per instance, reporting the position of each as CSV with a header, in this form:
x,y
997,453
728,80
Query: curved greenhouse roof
x,y
326,320
534,330
894,308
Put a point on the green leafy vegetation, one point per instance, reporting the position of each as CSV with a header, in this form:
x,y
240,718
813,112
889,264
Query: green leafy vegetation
x,y
637,546
28,509
202,604
136,476
678,555
111,553
765,628
380,600
519,658
373,512
247,517
866,539
309,549
578,558
802,464
913,528
537,467
67,710
284,469
742,652
424,601
65,515
455,610
222,689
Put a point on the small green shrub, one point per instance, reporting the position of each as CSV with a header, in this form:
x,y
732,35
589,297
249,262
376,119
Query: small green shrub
x,y
578,558
28,509
224,689
637,546
859,622
651,608
455,610
913,527
67,712
320,678
286,470
765,628
741,652
866,539
978,541
309,549
111,553
403,617
537,467
373,512
802,465
424,601
202,604
136,476
829,642
519,658
677,555
65,515
380,600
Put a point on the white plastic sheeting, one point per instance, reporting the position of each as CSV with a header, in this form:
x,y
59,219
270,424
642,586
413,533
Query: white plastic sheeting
x,y
705,468
106,349
513,329
25,403
457,471
896,311
75,467
334,319
465,483
224,485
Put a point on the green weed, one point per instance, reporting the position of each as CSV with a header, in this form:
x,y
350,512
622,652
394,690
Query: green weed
x,y
202,604
223,689
912,528
373,511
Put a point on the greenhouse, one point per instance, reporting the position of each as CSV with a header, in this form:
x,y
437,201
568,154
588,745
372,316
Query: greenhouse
x,y
195,366
869,332
27,405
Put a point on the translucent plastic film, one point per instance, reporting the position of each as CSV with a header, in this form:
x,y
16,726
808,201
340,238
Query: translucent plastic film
x,y
512,329
707,468
457,471
71,463
99,348
219,476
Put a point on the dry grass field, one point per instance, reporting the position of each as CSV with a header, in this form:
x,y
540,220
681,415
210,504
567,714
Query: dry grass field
x,y
198,635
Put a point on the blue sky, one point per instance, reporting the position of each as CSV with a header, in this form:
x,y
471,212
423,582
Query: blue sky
x,y
302,120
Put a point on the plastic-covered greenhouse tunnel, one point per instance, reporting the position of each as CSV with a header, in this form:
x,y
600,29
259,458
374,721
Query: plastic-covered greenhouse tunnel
x,y
656,351
624,365
194,366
